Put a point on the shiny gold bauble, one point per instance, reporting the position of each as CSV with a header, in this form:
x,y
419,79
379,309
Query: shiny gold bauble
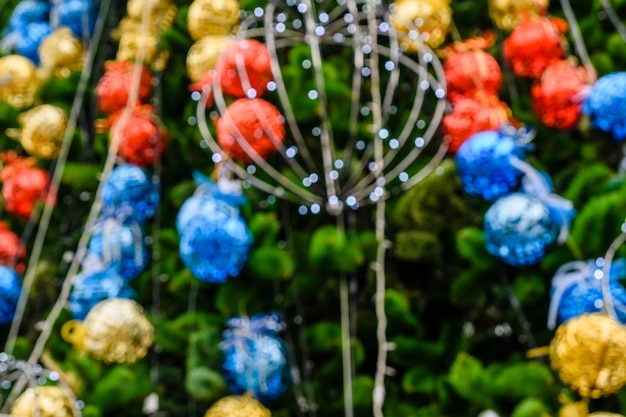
x,y
115,331
61,53
51,401
430,18
238,406
160,13
507,14
133,42
203,55
212,17
18,81
41,131
588,354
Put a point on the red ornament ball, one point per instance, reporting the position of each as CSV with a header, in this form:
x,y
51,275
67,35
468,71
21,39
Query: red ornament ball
x,y
473,114
113,88
24,185
253,121
534,44
556,96
255,61
469,71
142,141
12,252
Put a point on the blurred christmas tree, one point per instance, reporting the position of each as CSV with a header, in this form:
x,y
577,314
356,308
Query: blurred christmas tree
x,y
383,283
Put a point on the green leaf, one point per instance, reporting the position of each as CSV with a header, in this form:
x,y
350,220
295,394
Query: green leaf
x,y
330,250
522,380
271,263
81,176
467,377
420,379
205,384
530,407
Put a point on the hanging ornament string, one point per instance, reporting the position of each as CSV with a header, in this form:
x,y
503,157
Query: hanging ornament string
x,y
53,189
607,297
614,18
579,43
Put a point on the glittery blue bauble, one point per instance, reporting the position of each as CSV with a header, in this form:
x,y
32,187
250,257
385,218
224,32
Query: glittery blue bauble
x,y
518,229
484,164
78,15
30,39
120,246
586,297
10,288
129,192
92,287
606,104
200,204
26,12
255,360
215,245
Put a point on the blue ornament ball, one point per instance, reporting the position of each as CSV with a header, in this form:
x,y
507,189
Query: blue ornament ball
x,y
215,245
92,287
200,204
129,192
120,245
26,12
586,297
606,104
29,40
255,360
519,229
78,15
10,289
484,164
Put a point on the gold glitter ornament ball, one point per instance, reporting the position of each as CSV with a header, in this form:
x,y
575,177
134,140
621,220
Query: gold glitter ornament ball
x,y
238,406
132,42
161,13
18,81
431,18
588,354
61,53
52,401
203,56
41,131
507,14
115,331
212,17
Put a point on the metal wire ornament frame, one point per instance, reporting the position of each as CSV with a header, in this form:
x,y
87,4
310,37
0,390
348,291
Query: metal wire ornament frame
x,y
380,69
347,172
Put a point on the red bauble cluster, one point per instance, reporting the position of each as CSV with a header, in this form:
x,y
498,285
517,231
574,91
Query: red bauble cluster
x,y
24,185
470,71
534,44
141,139
473,78
113,88
556,95
473,114
536,49
254,122
245,63
12,251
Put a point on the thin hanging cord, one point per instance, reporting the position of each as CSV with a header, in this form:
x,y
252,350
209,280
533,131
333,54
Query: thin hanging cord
x,y
614,18
579,42
346,340
607,298
56,178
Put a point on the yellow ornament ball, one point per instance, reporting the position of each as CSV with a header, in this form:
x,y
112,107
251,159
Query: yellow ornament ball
x,y
115,331
18,80
46,401
203,55
587,352
161,13
131,43
238,406
427,19
41,131
507,14
61,53
212,17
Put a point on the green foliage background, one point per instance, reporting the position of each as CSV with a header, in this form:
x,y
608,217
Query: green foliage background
x,y
459,344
